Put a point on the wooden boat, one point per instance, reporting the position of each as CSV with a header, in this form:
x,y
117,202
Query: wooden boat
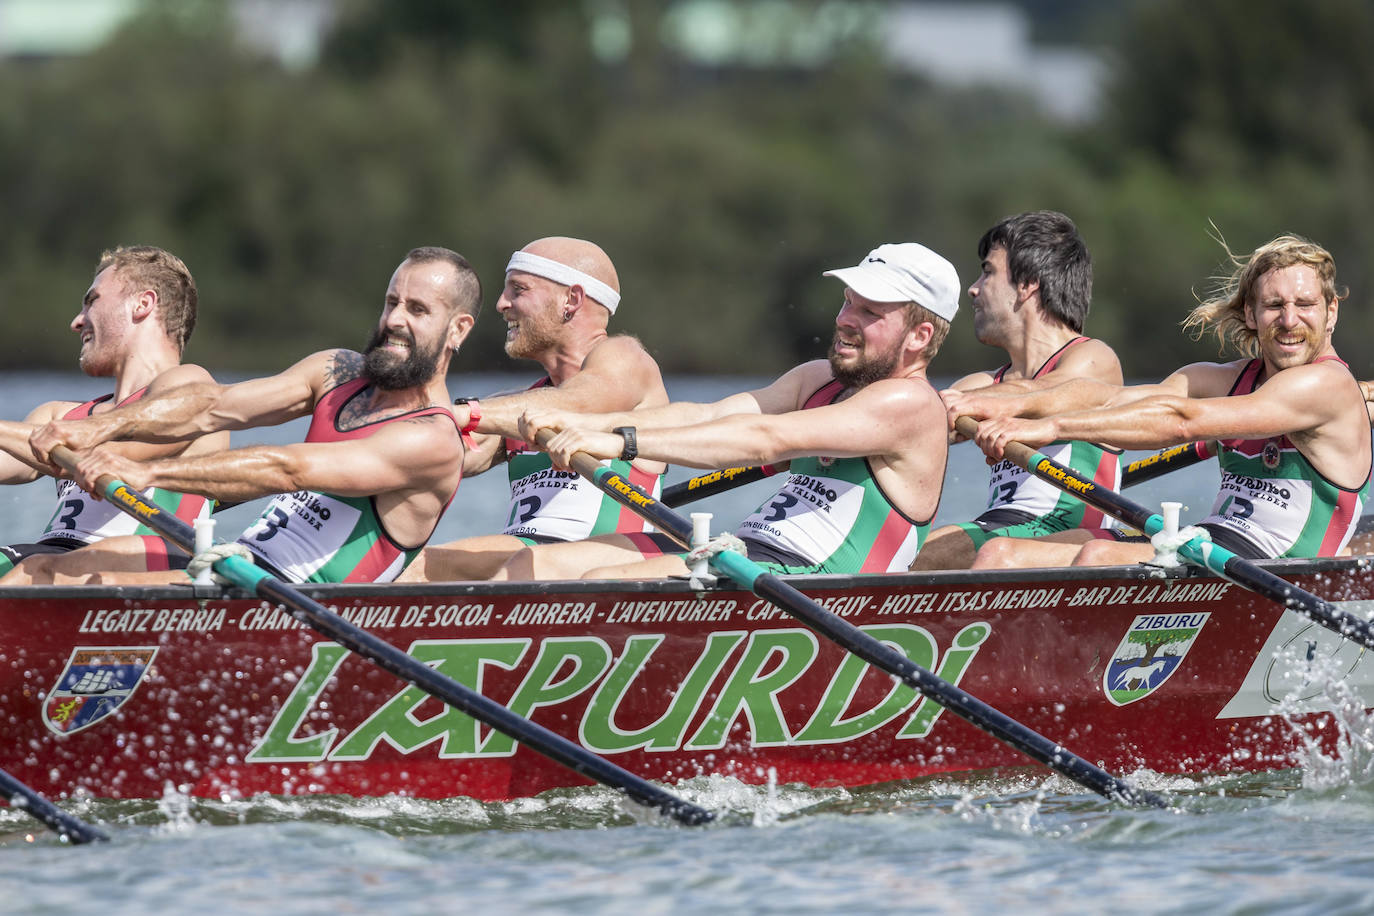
x,y
123,692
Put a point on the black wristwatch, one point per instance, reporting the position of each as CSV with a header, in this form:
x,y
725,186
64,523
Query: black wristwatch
x,y
631,450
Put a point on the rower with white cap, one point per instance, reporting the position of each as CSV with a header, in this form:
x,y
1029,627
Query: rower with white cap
x,y
864,432
558,298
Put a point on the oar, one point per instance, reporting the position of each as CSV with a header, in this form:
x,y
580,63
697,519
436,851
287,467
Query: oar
x,y
1169,459
704,485
1211,557
768,586
21,796
389,658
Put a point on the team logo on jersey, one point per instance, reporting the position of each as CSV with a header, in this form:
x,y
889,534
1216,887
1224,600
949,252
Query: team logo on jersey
x,y
825,462
1149,654
94,684
1271,455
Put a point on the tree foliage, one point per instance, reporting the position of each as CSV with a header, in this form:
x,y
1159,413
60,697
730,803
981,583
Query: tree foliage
x,y
721,194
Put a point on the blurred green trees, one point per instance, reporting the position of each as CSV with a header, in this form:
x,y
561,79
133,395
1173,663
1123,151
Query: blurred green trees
x,y
721,194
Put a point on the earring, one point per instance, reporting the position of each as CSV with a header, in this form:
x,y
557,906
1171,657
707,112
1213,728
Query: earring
x,y
567,316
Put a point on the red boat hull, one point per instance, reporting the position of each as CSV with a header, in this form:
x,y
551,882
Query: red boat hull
x,y
122,692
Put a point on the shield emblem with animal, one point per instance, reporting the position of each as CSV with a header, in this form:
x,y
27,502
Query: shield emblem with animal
x,y
1148,655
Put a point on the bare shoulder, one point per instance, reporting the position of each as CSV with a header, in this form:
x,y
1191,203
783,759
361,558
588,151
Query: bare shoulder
x,y
1326,380
791,390
1093,359
622,354
430,438
184,374
1206,380
52,410
903,400
336,367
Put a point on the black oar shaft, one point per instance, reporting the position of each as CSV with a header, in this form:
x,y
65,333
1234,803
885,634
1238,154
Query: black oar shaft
x,y
393,660
21,796
856,641
704,485
1209,556
1162,462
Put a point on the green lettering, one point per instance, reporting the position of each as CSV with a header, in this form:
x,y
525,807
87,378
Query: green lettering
x,y
396,722
827,726
279,744
599,730
956,662
589,657
754,693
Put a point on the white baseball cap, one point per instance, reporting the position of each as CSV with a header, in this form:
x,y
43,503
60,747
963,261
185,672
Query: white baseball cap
x,y
905,272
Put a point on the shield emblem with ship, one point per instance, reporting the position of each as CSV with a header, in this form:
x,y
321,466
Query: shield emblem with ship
x,y
1149,654
95,683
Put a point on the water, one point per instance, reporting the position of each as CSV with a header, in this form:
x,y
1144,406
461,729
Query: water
x,y
1290,841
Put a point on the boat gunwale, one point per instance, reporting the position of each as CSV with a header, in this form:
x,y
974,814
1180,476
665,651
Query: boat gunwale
x,y
570,587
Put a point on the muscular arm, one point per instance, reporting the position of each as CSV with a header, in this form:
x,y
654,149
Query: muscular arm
x,y
1190,405
17,462
617,375
881,419
190,410
786,393
409,455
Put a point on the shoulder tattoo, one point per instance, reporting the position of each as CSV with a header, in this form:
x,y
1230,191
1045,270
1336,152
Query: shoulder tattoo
x,y
343,366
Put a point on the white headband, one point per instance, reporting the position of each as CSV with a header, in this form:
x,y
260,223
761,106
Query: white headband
x,y
567,276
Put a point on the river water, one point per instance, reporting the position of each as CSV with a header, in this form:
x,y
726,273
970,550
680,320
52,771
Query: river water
x,y
1290,841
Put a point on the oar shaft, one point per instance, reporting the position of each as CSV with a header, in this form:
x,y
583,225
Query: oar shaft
x,y
1212,557
876,653
393,660
704,485
1162,462
21,796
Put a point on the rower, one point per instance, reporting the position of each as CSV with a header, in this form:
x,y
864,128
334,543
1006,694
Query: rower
x,y
135,320
1031,300
559,296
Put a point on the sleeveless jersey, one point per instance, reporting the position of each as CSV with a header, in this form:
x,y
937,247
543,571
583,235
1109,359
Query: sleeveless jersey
x,y
552,505
832,514
320,537
81,518
1013,487
1274,498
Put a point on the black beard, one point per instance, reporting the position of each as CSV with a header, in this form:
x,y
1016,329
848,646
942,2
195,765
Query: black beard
x,y
865,372
385,371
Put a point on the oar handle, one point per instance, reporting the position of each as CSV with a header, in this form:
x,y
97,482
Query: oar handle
x,y
65,458
1017,452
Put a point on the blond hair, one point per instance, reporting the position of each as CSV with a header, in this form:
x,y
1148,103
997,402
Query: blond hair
x,y
1224,313
142,267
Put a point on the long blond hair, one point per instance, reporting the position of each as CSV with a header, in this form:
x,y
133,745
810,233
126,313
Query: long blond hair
x,y
1225,311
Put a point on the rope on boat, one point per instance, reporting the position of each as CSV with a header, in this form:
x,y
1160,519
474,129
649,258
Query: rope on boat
x,y
206,560
1166,544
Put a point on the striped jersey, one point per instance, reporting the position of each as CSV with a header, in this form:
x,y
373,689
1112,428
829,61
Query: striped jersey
x,y
833,516
1273,497
81,517
1011,486
320,537
552,505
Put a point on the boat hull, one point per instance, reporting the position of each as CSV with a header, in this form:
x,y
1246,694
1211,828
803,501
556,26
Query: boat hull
x,y
125,692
